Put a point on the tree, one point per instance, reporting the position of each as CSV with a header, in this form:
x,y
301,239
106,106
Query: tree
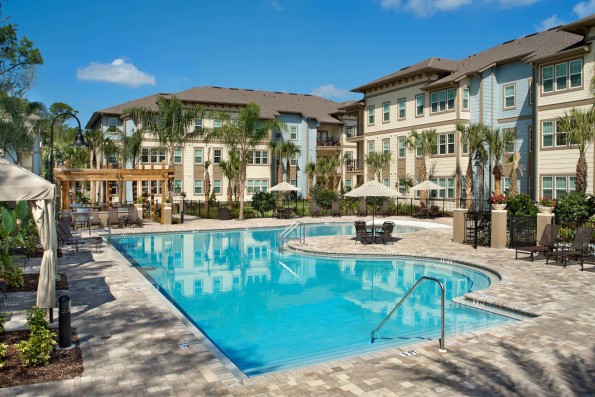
x,y
336,161
18,59
324,171
515,167
289,150
230,169
207,178
243,134
16,125
471,135
498,142
276,148
171,123
310,172
424,143
377,162
579,129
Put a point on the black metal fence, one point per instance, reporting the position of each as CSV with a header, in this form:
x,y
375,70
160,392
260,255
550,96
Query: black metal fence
x,y
522,231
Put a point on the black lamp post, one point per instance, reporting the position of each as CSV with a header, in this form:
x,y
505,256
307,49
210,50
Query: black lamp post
x,y
297,171
477,158
78,142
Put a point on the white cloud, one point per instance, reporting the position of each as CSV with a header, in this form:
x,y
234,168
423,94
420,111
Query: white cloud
x,y
276,5
117,72
423,8
584,8
330,91
550,23
516,3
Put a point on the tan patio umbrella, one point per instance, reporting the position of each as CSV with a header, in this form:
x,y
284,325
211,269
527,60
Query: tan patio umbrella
x,y
284,187
426,185
373,188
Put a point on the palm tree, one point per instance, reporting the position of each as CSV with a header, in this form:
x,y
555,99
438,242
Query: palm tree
x,y
425,144
498,144
289,150
230,169
16,133
234,159
171,123
336,161
578,126
310,172
471,135
515,166
207,179
377,162
323,170
276,148
242,135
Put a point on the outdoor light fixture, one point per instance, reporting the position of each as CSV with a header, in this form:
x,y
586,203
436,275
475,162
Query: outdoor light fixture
x,y
78,142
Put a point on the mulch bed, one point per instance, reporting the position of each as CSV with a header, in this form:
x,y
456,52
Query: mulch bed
x,y
64,364
31,281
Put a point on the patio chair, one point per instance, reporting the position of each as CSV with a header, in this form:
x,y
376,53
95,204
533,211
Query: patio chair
x,y
68,239
579,248
363,208
421,212
94,218
114,219
362,233
335,209
386,233
385,210
314,210
546,242
132,218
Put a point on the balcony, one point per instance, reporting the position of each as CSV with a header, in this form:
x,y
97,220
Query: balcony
x,y
354,165
354,131
328,143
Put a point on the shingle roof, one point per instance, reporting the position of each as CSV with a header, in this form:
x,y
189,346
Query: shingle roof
x,y
579,26
271,103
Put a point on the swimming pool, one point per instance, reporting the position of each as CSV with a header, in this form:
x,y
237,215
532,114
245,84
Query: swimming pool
x,y
268,311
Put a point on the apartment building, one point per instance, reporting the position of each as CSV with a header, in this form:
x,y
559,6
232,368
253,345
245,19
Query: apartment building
x,y
494,87
315,125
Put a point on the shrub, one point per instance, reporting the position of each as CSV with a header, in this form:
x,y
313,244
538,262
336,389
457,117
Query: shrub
x,y
324,197
263,202
2,321
521,205
573,208
2,355
37,350
498,199
36,319
547,201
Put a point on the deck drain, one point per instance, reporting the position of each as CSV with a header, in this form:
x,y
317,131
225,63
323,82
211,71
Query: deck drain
x,y
409,353
183,345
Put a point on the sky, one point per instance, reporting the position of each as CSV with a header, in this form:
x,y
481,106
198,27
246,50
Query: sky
x,y
100,53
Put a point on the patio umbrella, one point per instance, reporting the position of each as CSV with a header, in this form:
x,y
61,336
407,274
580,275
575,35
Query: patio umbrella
x,y
426,185
373,188
284,187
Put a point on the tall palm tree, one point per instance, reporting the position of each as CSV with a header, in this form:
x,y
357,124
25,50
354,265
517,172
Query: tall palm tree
x,y
234,159
580,131
230,169
515,167
471,135
323,170
336,162
276,148
207,179
310,172
425,144
289,151
498,143
377,162
171,123
243,134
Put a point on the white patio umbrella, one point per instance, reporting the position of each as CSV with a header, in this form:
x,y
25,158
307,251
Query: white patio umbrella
x,y
426,185
284,187
373,188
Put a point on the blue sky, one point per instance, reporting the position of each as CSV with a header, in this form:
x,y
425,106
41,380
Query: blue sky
x,y
101,53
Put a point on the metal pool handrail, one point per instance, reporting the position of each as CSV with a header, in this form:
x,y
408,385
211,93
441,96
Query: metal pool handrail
x,y
442,349
301,236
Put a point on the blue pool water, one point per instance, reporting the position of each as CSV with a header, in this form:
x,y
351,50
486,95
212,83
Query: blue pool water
x,y
267,310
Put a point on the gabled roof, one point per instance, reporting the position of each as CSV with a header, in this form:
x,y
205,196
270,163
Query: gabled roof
x,y
581,26
149,102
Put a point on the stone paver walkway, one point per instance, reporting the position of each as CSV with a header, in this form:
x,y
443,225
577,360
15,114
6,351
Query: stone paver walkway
x,y
130,333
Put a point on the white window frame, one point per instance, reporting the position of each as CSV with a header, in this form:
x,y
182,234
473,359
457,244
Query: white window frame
x,y
418,105
442,100
371,146
178,155
402,148
177,187
385,146
448,145
465,95
201,157
198,186
217,158
543,79
293,132
197,123
217,186
402,108
386,112
505,96
371,115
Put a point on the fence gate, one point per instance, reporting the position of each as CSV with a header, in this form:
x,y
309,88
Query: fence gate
x,y
522,231
478,228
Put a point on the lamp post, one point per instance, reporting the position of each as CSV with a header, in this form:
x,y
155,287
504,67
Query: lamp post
x,y
477,158
78,142
297,172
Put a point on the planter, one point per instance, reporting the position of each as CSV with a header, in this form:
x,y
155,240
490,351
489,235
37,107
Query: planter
x,y
499,207
544,210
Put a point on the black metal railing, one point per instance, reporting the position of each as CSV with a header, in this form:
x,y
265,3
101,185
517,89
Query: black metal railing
x,y
522,231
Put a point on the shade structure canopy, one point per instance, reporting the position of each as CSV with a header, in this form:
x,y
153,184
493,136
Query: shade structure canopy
x,y
18,184
284,187
427,185
373,188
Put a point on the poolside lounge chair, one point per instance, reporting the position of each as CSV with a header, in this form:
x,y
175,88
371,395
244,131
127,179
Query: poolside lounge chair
x,y
114,219
314,210
132,218
363,208
386,233
68,239
336,210
546,242
385,210
579,248
362,233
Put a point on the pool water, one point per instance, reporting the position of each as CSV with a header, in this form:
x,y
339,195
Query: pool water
x,y
268,311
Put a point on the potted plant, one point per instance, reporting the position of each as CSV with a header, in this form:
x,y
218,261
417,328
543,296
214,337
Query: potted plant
x,y
498,201
546,205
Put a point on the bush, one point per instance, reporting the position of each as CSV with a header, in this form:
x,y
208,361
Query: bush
x,y
36,319
2,355
2,321
263,202
521,205
573,207
37,350
324,197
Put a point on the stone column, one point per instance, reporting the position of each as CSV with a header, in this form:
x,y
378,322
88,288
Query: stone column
x,y
166,214
542,220
458,225
498,238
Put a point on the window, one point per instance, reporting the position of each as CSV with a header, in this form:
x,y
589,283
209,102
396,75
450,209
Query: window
x,y
144,155
350,131
509,96
258,157
293,160
401,105
561,137
177,186
258,185
547,78
562,76
198,287
156,187
217,186
216,123
401,152
197,123
449,188
370,115
506,185
419,105
348,184
178,155
293,133
531,139
217,156
446,143
198,186
386,182
510,146
554,186
443,100
293,182
370,147
198,156
465,98
385,146
151,155
386,112
552,136
576,73
112,124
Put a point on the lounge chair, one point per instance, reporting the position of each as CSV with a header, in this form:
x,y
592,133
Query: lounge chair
x,y
314,210
335,209
132,218
546,242
579,248
114,219
69,240
363,208
385,210
362,233
386,233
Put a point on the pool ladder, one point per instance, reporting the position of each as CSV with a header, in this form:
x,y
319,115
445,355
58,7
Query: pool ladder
x,y
442,349
284,236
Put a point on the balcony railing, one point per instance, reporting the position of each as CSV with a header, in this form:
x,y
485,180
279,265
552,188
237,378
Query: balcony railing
x,y
328,142
354,165
354,131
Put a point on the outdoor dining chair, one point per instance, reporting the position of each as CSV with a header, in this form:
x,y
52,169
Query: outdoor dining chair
x,y
579,248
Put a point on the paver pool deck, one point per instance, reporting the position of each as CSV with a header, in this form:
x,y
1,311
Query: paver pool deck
x,y
129,333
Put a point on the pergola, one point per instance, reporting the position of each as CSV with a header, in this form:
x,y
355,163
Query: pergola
x,y
64,177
